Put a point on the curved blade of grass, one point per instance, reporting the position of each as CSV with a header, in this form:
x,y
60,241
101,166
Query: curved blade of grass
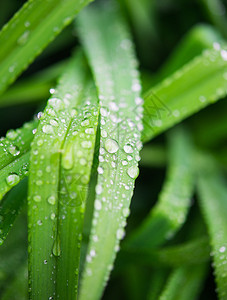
x,y
76,165
17,288
157,283
198,84
44,180
198,39
170,212
34,88
185,283
16,143
193,252
213,199
31,29
113,64
13,173
10,207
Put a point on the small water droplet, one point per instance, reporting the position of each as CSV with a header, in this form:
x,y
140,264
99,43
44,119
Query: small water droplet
x,y
22,40
126,212
45,262
85,123
37,198
89,131
48,129
98,205
98,189
56,247
86,144
128,148
51,200
222,249
120,233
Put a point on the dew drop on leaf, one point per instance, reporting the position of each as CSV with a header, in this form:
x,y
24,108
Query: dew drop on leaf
x,y
128,148
14,150
111,146
48,129
51,200
12,179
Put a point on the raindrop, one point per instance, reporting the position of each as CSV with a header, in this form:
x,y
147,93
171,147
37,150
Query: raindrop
x,y
98,205
12,179
85,123
56,247
12,135
13,150
98,189
126,212
89,131
51,200
37,198
222,249
120,233
111,146
48,129
23,38
128,148
86,144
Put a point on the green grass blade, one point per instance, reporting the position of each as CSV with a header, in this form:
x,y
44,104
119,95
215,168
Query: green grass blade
x,y
158,279
213,199
198,84
16,143
34,88
76,165
10,207
185,283
31,29
13,173
170,212
198,39
44,180
113,64
192,252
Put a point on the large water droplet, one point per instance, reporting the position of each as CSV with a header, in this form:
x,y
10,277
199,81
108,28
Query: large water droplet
x,y
37,198
111,146
12,135
12,179
14,150
133,172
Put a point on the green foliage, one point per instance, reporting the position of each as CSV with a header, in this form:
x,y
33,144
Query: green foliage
x,y
71,170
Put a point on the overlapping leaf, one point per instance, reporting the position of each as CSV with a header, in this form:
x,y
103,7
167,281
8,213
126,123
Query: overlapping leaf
x,y
114,67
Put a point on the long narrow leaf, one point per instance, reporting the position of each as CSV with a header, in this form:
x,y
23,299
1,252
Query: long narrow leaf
x,y
198,84
213,199
45,183
30,31
170,212
113,64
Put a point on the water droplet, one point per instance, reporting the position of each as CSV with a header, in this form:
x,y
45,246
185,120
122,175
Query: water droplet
x,y
136,87
104,133
67,157
12,135
54,123
222,249
124,162
89,131
126,212
37,198
100,170
48,129
56,247
104,112
86,144
39,182
52,90
51,200
98,189
85,123
120,233
39,115
202,99
39,222
128,148
45,262
23,38
52,216
12,179
111,146
98,205
14,150
139,101
56,103
176,113
133,172
224,54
